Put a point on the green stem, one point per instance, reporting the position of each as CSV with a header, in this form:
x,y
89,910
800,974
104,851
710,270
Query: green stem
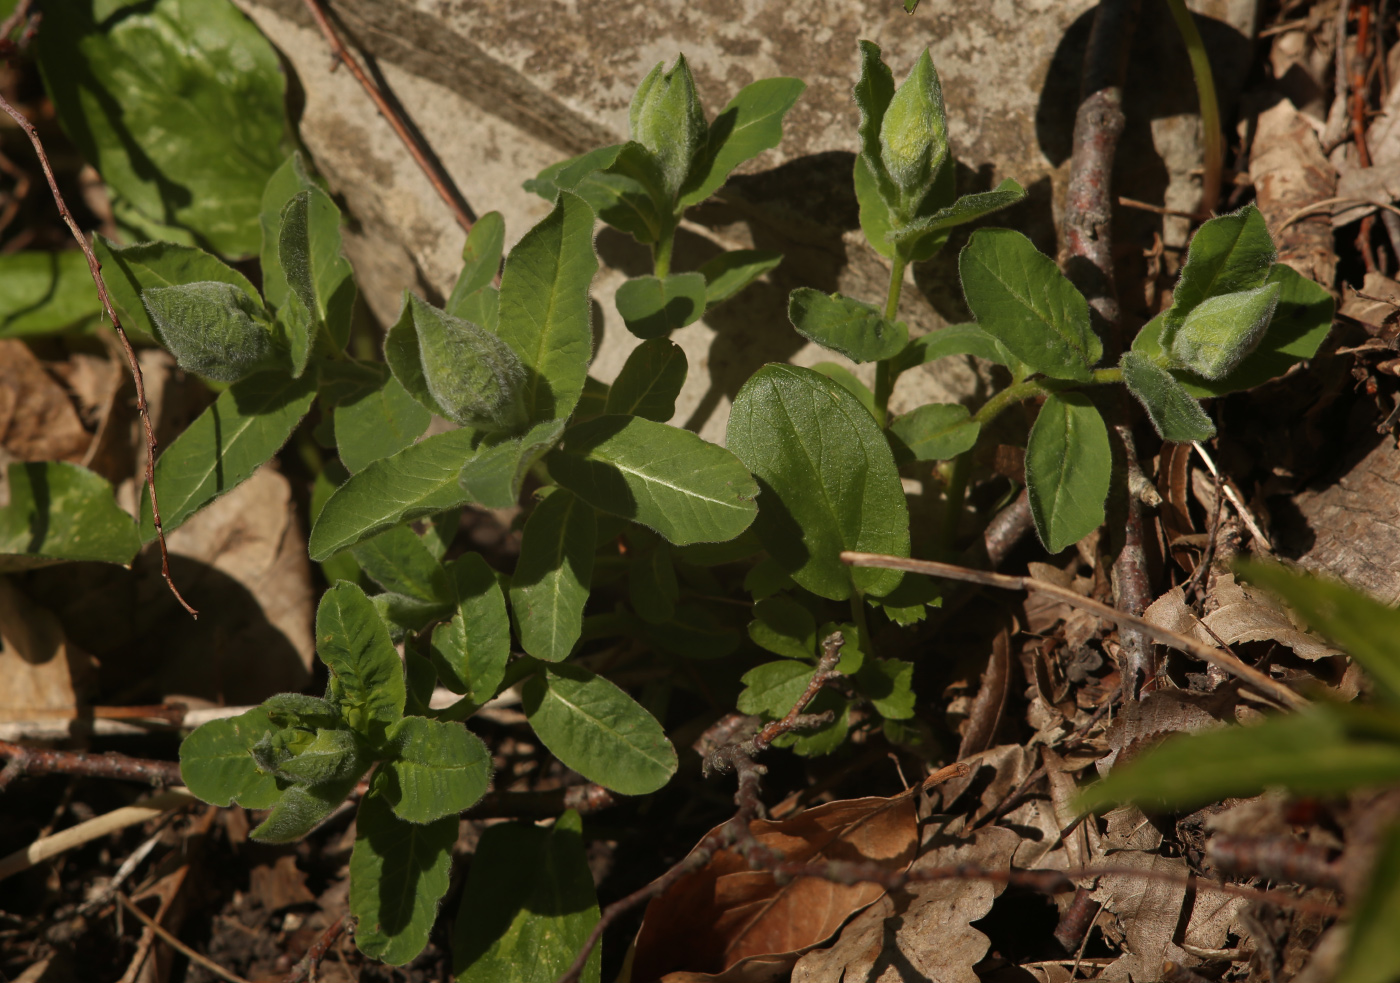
x,y
884,373
661,251
954,495
862,625
1213,145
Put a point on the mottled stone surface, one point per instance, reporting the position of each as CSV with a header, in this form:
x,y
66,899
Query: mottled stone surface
x,y
501,90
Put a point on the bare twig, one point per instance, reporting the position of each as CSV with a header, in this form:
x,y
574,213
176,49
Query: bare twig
x,y
95,268
1132,587
16,18
176,944
440,181
1162,636
32,761
317,952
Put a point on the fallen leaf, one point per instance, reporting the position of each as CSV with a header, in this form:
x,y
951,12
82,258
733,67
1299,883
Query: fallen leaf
x,y
725,922
1289,172
279,884
44,676
37,419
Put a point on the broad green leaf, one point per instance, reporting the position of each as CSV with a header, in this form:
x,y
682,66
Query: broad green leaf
x,y
405,359
481,258
766,577
300,809
968,208
60,512
528,906
470,652
43,292
876,221
213,329
749,125
376,422
695,631
545,313
730,272
334,755
847,380
308,252
955,339
1019,295
129,270
1227,255
398,561
649,382
494,474
596,729
1174,413
934,432
1220,332
827,478
178,103
851,327
827,737
417,481
652,307
784,627
1068,465
907,604
366,674
742,547
399,871
290,178
667,119
623,202
552,577
1363,627
888,684
662,477
472,375
245,426
217,764
1323,750
651,584
1373,948
568,175
772,688
438,769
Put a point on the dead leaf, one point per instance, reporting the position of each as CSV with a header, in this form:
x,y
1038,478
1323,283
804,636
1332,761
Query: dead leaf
x,y
280,884
1290,172
43,675
1242,615
728,923
37,419
988,706
925,931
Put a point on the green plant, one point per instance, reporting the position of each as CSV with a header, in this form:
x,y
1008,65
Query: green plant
x,y
1327,749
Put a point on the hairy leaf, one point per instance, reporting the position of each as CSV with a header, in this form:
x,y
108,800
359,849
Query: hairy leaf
x,y
653,307
212,328
649,382
217,764
366,674
317,275
475,377
553,575
1173,411
398,561
376,420
470,651
751,123
129,270
851,327
494,474
933,432
438,769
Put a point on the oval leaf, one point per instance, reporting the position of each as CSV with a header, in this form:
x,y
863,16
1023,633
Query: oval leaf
x,y
649,382
1170,407
553,575
60,511
216,763
439,769
652,307
470,652
855,329
935,432
366,673
1068,465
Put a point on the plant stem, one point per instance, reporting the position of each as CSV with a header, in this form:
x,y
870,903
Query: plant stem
x,y
661,252
884,375
1212,146
954,495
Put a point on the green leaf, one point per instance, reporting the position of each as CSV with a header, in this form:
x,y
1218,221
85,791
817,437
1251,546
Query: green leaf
x,y
43,292
730,272
1019,295
1373,948
60,512
129,270
1174,413
667,119
889,685
545,313
934,432
653,307
851,327
907,604
847,380
417,481
399,871
751,123
438,769
1068,465
914,133
405,359
652,586
212,329
784,627
873,93
876,221
596,729
1363,627
766,577
333,756
366,674
552,577
695,631
827,737
968,208
377,421
481,258
1323,750
622,201
245,426
1227,255
665,478
178,103
300,809
528,906
290,178
1220,332
649,382
318,276
494,474
470,652
473,376
772,688
827,478
955,339
569,175
398,561
217,764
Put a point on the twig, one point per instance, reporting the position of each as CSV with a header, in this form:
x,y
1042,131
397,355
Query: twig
x,y
1328,203
1235,500
31,761
176,944
318,950
1162,636
16,17
95,268
441,183
1144,206
1132,587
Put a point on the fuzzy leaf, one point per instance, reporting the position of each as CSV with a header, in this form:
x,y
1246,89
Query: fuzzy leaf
x,y
366,673
649,382
438,769
217,764
475,377
1174,413
128,270
212,328
847,380
934,432
398,561
667,119
855,329
317,275
1228,254
377,421
494,474
751,123
653,307
470,652
1220,332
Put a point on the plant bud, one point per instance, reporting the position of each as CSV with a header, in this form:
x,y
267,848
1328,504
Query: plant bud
x,y
666,117
1220,332
212,328
474,376
914,132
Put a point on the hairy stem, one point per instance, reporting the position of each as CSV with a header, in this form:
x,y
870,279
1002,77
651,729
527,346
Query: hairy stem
x,y
661,251
884,373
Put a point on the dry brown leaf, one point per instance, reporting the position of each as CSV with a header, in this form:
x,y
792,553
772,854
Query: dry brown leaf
x,y
280,884
37,420
1242,614
728,923
1289,172
925,931
41,674
988,706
